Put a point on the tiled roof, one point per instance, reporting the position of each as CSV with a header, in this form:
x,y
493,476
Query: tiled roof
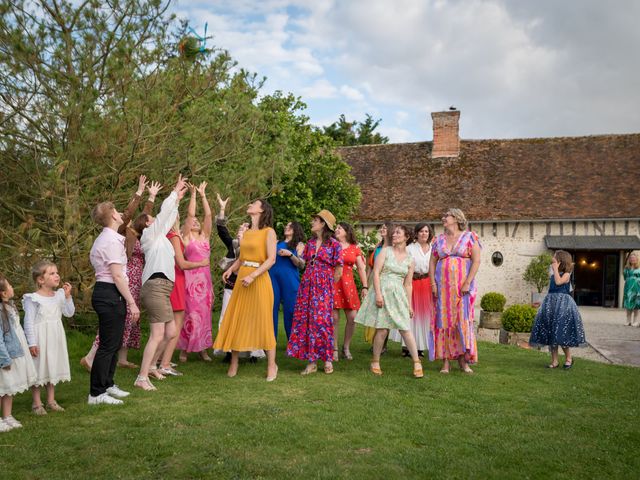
x,y
538,178
592,242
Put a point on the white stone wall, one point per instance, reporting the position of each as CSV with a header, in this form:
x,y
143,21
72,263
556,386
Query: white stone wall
x,y
520,242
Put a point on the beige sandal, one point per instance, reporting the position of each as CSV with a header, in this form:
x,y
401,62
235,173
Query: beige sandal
x,y
144,383
54,407
38,410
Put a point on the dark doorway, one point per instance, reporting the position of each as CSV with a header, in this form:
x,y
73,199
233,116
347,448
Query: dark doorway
x,y
596,278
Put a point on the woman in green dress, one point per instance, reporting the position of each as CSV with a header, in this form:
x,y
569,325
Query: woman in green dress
x,y
390,307
631,299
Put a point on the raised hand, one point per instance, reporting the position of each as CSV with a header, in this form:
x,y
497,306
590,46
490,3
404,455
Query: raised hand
x,y
201,188
222,203
153,189
67,289
142,184
181,187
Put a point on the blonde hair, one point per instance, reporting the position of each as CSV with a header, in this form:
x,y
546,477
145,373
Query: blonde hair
x,y
39,269
628,262
460,218
4,311
101,213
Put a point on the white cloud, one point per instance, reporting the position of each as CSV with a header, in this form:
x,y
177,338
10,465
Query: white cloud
x,y
319,89
351,93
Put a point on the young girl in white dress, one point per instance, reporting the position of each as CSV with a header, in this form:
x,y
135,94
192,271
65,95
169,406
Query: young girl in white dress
x,y
17,372
43,312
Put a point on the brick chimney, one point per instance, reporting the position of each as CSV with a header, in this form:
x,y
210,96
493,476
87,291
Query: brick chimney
x,y
446,139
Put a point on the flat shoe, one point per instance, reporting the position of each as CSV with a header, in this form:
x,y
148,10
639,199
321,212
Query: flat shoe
x,y
127,365
375,370
38,410
444,370
567,366
144,383
328,369
417,370
155,373
347,354
551,365
54,407
309,370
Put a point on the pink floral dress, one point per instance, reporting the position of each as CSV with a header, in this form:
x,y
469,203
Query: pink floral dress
x,y
195,335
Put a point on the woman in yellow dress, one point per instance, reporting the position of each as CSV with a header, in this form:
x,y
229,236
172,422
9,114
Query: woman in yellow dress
x,y
248,320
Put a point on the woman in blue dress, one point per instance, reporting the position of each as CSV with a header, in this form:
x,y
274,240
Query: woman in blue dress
x,y
285,274
558,322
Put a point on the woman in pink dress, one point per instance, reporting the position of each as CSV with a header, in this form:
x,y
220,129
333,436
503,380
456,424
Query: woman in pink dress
x,y
195,335
455,260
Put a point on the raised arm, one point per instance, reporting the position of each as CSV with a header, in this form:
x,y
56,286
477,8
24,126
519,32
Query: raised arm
x,y
207,224
130,211
153,189
168,211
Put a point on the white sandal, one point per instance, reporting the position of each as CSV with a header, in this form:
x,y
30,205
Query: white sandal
x,y
144,383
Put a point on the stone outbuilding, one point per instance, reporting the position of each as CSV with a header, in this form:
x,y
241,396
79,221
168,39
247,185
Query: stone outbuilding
x,y
522,196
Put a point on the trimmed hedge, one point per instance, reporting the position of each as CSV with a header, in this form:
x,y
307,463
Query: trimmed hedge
x,y
518,318
493,302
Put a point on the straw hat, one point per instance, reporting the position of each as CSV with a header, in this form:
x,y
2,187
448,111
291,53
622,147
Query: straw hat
x,y
328,218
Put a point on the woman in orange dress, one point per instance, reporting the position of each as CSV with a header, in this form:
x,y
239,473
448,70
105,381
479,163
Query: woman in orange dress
x,y
248,320
346,296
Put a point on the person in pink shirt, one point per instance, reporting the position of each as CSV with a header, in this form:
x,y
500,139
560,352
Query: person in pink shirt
x,y
110,299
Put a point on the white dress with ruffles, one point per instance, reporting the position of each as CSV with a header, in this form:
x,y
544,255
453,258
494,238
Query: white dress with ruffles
x,y
22,374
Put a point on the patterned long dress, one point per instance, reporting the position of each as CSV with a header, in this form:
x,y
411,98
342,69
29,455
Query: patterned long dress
x,y
195,335
312,330
631,299
452,332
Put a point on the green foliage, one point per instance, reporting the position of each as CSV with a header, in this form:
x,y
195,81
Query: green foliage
x,y
493,302
94,94
537,272
518,318
355,133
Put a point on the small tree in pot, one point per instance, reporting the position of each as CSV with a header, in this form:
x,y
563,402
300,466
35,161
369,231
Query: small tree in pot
x,y
537,274
517,322
492,304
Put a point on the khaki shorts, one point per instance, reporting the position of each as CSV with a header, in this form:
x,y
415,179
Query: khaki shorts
x,y
154,297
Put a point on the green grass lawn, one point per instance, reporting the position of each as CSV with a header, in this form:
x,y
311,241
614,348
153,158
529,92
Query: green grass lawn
x,y
512,419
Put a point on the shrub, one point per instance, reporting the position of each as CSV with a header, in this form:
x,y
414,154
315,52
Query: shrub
x,y
518,318
537,272
493,302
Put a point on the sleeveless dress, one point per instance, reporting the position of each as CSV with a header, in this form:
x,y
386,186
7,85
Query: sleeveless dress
x,y
558,321
52,363
395,312
421,300
452,333
285,278
195,335
631,298
178,292
22,374
312,330
346,296
248,320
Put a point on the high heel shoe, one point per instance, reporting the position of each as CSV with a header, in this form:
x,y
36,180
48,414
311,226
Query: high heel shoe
x,y
271,378
417,370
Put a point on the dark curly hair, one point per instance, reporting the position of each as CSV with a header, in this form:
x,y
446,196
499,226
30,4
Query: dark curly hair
x,y
405,229
297,237
350,233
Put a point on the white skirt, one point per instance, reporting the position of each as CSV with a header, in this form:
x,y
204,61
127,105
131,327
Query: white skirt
x,y
22,374
52,362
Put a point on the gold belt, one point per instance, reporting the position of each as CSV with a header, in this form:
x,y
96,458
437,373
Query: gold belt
x,y
247,263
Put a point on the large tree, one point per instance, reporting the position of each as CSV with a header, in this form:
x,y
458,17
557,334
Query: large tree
x,y
92,94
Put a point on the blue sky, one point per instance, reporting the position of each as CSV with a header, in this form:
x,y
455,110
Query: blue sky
x,y
514,69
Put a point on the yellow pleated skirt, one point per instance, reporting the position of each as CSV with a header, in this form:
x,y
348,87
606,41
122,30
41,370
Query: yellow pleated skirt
x,y
248,322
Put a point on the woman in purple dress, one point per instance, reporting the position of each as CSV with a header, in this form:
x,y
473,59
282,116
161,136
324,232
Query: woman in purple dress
x,y
195,335
312,331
